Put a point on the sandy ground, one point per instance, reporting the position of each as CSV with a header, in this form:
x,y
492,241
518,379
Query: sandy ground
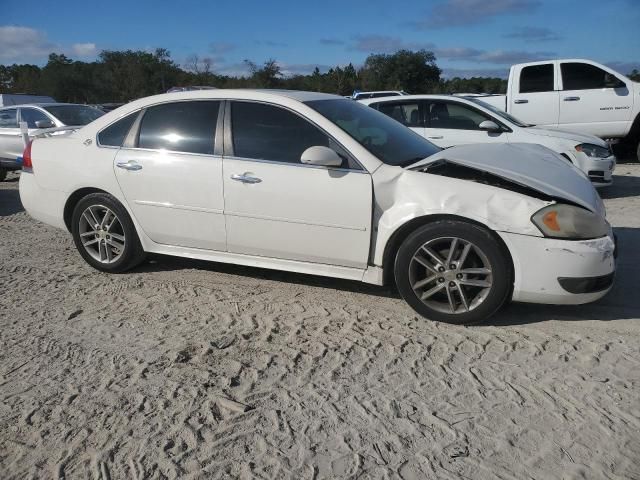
x,y
133,376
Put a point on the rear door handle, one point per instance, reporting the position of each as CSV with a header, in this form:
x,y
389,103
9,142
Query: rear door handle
x,y
440,137
130,165
521,101
571,99
245,178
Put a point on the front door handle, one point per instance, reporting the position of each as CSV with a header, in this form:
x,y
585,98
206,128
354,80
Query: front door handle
x,y
571,99
130,165
245,178
439,137
521,101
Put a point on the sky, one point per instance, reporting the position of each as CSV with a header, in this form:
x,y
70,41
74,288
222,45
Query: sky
x,y
468,37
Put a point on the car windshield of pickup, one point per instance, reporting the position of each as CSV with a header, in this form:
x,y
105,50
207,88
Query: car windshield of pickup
x,y
74,115
500,113
387,139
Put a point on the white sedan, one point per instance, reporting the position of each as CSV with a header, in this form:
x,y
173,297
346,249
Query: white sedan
x,y
452,120
319,184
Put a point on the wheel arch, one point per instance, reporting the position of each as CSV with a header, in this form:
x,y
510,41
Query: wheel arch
x,y
406,229
73,200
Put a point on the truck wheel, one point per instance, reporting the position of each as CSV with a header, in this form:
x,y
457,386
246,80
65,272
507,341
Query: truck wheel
x,y
105,235
3,174
454,272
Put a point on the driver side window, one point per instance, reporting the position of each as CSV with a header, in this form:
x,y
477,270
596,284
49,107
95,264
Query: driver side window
x,y
582,76
31,116
268,132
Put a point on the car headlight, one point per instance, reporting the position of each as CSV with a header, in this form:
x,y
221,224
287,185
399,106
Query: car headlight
x,y
594,151
569,222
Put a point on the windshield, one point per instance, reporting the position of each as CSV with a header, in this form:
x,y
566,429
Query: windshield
x,y
500,113
390,141
74,115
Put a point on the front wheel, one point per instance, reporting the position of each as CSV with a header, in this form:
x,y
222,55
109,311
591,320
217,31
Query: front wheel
x,y
454,272
3,174
105,235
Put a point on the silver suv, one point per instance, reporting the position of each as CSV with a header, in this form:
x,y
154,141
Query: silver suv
x,y
38,117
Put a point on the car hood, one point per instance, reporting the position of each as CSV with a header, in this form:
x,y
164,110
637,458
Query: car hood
x,y
566,135
528,165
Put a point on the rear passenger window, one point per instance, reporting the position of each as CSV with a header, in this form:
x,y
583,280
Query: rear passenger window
x,y
407,113
266,132
114,134
180,127
9,118
537,78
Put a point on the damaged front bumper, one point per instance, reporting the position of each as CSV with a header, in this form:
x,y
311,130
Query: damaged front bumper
x,y
557,271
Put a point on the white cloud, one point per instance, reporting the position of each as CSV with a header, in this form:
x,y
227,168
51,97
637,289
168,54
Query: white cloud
x,y
21,44
24,44
84,49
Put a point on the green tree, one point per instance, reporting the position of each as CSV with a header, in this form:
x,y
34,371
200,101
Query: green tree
x,y
414,72
269,75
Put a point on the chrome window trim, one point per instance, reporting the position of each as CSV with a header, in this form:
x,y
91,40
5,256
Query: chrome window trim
x,y
303,165
167,152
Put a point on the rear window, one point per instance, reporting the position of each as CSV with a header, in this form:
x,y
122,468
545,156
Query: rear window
x,y
74,115
537,78
114,134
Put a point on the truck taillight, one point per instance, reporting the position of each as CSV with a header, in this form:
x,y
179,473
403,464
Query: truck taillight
x,y
27,166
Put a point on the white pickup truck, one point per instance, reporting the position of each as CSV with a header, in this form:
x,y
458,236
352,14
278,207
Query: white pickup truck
x,y
577,95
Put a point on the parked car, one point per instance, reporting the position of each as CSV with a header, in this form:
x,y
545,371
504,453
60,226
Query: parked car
x,y
107,107
577,95
449,120
358,95
38,117
315,183
9,99
189,88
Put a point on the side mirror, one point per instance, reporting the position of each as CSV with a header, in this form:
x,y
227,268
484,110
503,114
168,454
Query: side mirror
x,y
321,156
45,124
489,126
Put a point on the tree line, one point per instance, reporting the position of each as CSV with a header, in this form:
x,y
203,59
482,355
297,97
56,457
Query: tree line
x,y
121,76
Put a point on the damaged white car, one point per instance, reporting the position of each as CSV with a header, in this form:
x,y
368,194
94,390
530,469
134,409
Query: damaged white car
x,y
318,184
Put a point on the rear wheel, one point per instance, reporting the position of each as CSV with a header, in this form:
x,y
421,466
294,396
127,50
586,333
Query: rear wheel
x,y
454,272
3,174
104,234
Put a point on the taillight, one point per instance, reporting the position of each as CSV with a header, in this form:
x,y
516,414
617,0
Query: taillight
x,y
26,159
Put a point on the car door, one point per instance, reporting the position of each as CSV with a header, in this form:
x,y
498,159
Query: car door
x,y
277,207
11,143
451,123
534,98
407,112
171,174
593,100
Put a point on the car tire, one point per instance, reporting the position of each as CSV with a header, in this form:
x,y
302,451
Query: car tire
x,y
463,287
104,234
3,174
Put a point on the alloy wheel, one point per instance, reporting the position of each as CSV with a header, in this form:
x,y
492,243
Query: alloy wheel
x,y
102,234
450,275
